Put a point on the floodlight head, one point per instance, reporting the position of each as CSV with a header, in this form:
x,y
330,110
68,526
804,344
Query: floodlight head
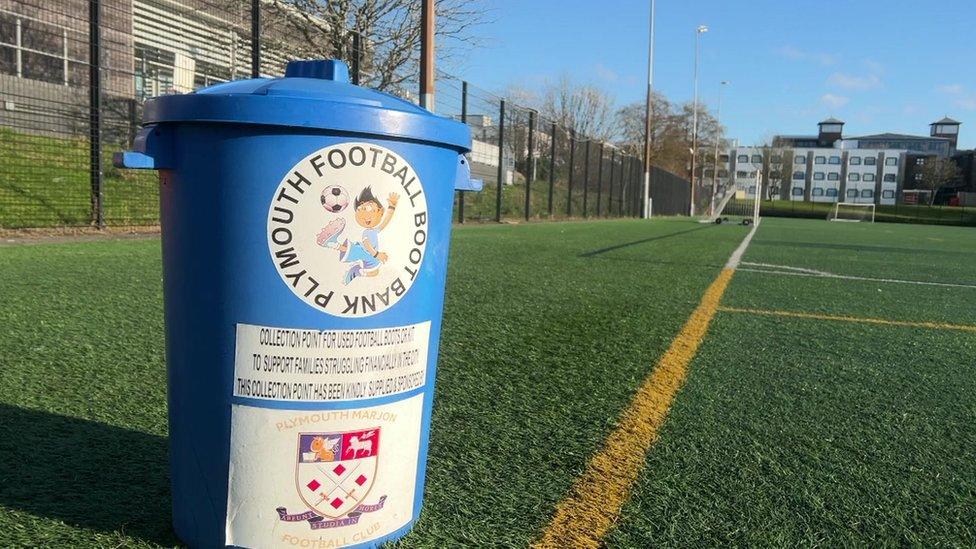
x,y
702,29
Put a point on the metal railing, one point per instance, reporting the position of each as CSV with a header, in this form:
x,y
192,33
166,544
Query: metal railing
x,y
75,73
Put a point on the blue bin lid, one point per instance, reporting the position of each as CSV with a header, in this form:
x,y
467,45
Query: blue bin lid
x,y
312,94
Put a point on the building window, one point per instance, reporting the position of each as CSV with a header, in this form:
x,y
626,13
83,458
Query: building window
x,y
752,189
920,161
799,175
891,161
834,160
853,176
797,191
820,160
776,159
723,173
851,193
918,177
867,193
757,159
855,161
723,158
799,159
868,177
831,192
818,191
833,176
870,160
742,158
740,173
818,176
887,194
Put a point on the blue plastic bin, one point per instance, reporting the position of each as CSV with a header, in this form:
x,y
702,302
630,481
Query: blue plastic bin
x,y
306,224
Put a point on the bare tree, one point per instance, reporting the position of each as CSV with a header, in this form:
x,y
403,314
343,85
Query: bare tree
x,y
581,107
670,133
390,32
937,172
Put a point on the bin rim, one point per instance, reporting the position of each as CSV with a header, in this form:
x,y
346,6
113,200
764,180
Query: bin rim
x,y
312,95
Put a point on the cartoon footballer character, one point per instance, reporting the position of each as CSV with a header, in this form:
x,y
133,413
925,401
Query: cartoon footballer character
x,y
364,255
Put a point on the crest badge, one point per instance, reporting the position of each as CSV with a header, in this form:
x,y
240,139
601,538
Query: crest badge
x,y
335,471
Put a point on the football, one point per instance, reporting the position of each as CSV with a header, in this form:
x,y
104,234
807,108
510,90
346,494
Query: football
x,y
334,199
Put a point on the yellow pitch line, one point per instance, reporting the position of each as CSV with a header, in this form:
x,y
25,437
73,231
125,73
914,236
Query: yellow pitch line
x,y
591,508
864,320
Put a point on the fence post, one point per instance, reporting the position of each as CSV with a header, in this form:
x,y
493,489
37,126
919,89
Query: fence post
x,y
623,187
528,168
133,109
464,119
501,161
638,176
552,166
630,177
613,160
255,38
94,112
586,178
572,164
599,181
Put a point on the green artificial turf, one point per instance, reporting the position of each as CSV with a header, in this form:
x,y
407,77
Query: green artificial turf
x,y
788,432
910,253
811,432
895,213
548,329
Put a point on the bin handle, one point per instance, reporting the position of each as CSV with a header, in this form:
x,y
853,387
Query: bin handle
x,y
139,158
463,181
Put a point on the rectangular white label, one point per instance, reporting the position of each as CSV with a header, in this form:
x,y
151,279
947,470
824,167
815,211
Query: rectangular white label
x,y
298,365
321,478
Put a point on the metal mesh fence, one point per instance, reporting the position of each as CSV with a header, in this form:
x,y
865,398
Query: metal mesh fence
x,y
74,75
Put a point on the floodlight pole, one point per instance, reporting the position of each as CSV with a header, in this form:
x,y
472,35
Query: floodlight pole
x,y
428,26
646,190
718,119
702,29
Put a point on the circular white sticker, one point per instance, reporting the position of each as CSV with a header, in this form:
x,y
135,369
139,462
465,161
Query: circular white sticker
x,y
347,229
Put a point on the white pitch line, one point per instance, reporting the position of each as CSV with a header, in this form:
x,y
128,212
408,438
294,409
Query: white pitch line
x,y
736,256
864,278
786,268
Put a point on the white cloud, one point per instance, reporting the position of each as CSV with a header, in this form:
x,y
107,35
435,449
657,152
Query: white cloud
x,y
834,101
874,67
968,103
951,89
795,54
606,74
854,82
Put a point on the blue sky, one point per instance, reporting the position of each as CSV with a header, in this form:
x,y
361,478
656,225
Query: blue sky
x,y
893,65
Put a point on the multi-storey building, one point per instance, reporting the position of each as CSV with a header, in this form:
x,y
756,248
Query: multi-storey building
x,y
828,167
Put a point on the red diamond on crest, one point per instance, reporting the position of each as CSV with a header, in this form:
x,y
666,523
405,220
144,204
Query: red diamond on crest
x,y
314,485
336,503
339,469
360,480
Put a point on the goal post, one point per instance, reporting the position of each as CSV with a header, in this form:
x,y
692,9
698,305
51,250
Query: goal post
x,y
737,203
851,211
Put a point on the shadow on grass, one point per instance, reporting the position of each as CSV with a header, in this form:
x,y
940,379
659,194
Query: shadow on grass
x,y
599,251
86,474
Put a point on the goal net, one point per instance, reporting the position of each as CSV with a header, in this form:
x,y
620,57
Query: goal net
x,y
736,204
849,211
